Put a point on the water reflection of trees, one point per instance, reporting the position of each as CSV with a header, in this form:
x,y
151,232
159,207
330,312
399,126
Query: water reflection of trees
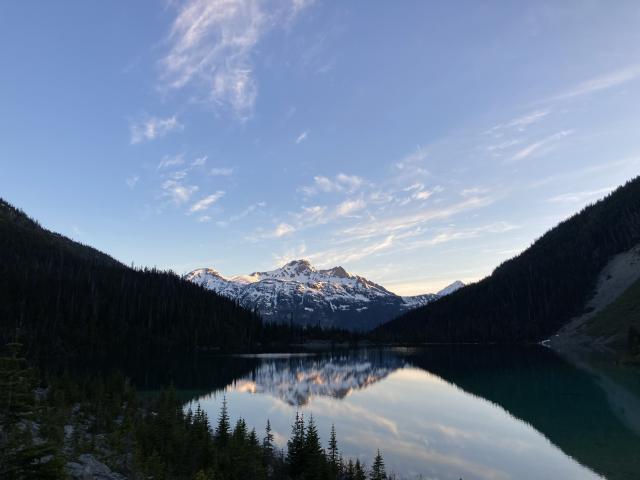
x,y
562,402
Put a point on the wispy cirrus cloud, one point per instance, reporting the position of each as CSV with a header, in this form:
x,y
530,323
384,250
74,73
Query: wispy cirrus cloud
x,y
206,202
336,256
132,181
199,162
153,127
221,172
520,123
349,207
302,137
282,229
577,197
401,223
247,211
602,82
171,161
539,145
177,191
211,44
340,183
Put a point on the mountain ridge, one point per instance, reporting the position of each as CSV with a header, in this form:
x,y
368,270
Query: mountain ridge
x,y
531,296
66,300
299,293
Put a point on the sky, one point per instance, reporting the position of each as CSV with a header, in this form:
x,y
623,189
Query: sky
x,y
414,143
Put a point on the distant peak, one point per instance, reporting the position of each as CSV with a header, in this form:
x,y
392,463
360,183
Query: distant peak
x,y
339,272
293,263
298,266
457,285
204,271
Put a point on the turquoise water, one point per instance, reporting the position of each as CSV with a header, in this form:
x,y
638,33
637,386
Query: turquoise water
x,y
446,412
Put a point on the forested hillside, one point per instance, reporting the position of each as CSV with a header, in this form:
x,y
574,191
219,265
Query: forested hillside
x,y
531,296
65,300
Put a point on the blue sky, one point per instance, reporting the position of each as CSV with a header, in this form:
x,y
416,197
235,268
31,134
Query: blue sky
x,y
412,142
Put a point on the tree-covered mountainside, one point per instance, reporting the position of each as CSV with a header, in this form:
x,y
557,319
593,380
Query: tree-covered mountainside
x,y
65,300
531,296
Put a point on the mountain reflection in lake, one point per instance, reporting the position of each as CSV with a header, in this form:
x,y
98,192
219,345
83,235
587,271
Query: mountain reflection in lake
x,y
446,412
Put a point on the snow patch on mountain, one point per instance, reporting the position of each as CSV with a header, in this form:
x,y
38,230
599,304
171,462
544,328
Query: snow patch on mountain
x,y
298,292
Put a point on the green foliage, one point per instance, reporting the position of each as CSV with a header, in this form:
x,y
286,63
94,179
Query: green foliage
x,y
377,469
335,462
29,450
314,462
531,296
223,430
157,439
70,301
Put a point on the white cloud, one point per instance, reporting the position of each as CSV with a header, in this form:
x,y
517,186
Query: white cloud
x,y
474,191
422,195
576,197
603,82
132,181
290,254
452,234
199,162
204,218
520,123
418,193
221,172
349,206
234,218
282,230
340,183
206,202
536,146
345,255
177,191
171,161
211,48
302,137
314,215
299,5
415,186
398,224
413,160
153,127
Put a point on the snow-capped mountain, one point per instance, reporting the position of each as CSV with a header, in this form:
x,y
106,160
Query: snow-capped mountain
x,y
300,293
457,285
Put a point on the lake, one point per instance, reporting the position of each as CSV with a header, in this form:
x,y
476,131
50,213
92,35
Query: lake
x,y
470,412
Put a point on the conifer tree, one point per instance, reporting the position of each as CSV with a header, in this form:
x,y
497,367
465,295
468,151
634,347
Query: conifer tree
x,y
295,447
334,454
267,441
350,471
377,469
314,458
223,430
360,472
24,455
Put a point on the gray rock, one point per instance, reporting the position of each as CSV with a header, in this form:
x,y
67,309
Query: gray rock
x,y
89,468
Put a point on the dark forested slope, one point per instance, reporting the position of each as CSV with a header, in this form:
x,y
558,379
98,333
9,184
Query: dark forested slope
x,y
65,300
532,295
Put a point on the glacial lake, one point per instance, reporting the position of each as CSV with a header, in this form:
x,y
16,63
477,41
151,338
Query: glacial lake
x,y
467,412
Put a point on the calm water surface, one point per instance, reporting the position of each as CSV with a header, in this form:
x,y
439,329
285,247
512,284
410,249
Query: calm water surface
x,y
445,412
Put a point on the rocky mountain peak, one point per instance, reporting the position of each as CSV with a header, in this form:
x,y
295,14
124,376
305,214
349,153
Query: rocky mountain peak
x,y
339,272
330,298
299,266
